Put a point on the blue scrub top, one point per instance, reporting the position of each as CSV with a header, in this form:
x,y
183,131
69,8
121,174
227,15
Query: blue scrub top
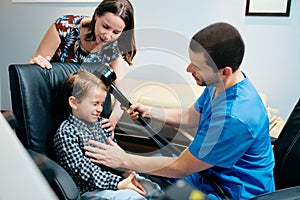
x,y
233,135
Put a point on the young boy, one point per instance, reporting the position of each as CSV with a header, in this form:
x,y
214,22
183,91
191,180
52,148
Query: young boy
x,y
85,93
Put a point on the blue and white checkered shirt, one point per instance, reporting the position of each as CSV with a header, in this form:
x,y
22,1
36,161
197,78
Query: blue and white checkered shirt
x,y
69,140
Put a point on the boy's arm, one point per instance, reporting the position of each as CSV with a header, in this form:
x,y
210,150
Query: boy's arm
x,y
71,155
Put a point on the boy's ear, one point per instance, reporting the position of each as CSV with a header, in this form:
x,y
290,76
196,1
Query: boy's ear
x,y
72,102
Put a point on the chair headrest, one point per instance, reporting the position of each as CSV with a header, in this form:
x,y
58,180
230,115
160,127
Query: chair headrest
x,y
37,101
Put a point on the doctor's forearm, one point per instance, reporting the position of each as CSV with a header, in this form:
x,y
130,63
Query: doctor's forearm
x,y
161,166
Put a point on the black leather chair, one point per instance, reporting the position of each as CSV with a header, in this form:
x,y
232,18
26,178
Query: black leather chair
x,y
287,152
37,104
287,159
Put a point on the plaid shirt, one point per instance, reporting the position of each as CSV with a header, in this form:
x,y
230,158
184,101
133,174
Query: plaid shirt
x,y
69,140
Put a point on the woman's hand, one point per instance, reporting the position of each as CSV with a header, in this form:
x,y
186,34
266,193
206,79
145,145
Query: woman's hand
x,y
43,62
108,126
111,155
130,182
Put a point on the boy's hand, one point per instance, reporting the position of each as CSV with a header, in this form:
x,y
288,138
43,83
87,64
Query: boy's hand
x,y
108,126
130,182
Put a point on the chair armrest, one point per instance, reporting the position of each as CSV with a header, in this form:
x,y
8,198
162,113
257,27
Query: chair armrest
x,y
59,180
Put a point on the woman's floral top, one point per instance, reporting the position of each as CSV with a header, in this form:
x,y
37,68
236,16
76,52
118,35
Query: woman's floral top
x,y
70,50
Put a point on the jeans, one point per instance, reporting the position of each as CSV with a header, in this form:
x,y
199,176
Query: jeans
x,y
153,192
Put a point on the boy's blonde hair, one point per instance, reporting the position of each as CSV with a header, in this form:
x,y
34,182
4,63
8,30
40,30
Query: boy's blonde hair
x,y
79,83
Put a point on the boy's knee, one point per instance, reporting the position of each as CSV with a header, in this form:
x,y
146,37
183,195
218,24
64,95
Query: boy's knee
x,y
130,194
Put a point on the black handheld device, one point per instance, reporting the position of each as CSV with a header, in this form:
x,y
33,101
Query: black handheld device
x,y
107,75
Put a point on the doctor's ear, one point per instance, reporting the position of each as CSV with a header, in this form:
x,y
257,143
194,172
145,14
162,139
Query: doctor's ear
x,y
72,102
226,71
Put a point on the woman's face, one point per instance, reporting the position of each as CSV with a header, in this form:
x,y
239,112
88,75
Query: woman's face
x,y
108,28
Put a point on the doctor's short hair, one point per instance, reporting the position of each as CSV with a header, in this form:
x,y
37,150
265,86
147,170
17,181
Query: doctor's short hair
x,y
222,44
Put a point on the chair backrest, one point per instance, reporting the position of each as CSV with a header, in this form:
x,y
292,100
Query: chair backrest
x,y
37,102
287,152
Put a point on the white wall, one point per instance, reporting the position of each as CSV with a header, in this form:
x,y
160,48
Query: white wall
x,y
272,43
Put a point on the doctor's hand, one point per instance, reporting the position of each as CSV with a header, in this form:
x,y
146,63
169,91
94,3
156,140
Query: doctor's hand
x,y
134,110
111,155
130,182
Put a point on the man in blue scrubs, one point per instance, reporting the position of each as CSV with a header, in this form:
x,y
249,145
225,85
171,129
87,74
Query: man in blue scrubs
x,y
232,141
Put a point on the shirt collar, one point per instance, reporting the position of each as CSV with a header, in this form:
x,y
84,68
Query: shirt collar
x,y
82,124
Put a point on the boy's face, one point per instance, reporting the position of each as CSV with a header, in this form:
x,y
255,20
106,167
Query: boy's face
x,y
91,106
